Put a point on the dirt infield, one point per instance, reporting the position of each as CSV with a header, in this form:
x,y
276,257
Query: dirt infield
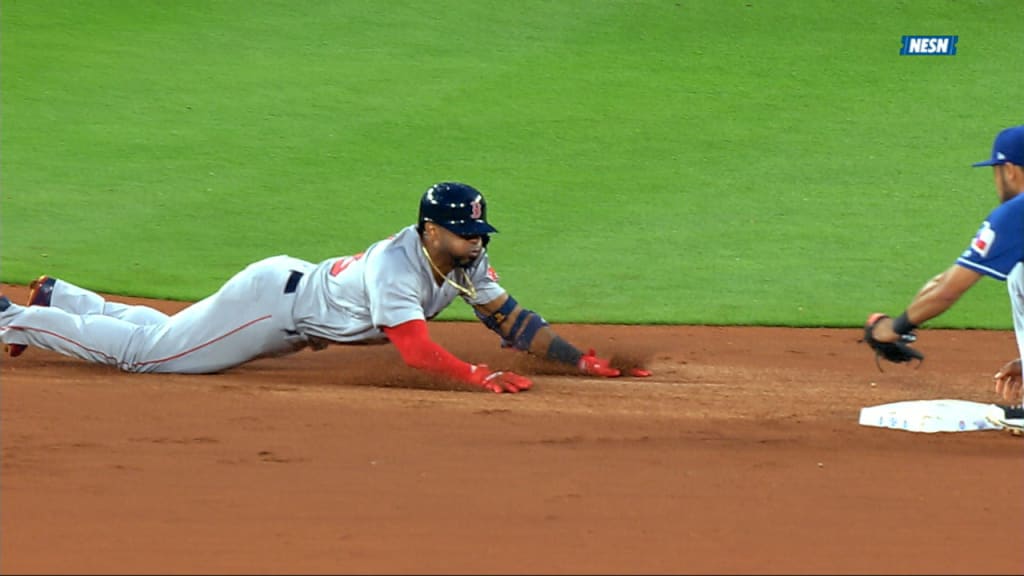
x,y
741,455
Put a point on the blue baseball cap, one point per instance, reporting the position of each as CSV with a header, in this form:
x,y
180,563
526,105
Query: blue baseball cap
x,y
1008,147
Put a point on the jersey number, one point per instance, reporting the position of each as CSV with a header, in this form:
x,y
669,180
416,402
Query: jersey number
x,y
341,263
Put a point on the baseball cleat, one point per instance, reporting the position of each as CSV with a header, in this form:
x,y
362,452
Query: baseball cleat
x,y
1009,418
40,293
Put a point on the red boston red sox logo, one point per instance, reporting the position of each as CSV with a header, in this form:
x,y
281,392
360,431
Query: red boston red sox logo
x,y
341,263
477,210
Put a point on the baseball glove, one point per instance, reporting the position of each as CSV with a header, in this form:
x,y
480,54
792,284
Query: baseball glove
x,y
896,352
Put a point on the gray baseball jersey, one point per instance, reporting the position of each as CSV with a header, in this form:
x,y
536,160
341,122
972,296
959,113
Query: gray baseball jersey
x,y
271,308
348,299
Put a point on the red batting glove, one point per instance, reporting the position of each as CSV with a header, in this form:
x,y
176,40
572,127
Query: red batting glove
x,y
591,365
500,381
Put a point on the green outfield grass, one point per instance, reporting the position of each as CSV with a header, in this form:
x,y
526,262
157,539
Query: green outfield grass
x,y
717,162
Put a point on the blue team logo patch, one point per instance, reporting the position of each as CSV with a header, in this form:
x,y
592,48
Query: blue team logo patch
x,y
929,46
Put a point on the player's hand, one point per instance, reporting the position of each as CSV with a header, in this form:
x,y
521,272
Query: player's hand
x,y
500,381
592,365
879,327
638,372
1008,381
888,344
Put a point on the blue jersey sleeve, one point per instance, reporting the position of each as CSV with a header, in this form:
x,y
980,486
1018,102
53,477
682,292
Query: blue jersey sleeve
x,y
999,243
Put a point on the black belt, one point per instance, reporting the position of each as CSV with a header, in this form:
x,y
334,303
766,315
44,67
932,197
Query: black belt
x,y
293,282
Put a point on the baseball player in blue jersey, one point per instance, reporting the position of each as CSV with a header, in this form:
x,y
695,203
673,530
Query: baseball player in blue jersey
x,y
281,304
996,251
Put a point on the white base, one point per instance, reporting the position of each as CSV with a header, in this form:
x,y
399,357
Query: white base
x,y
929,416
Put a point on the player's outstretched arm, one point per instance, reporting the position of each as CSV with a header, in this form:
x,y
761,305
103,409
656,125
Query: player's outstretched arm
x,y
418,351
526,330
890,338
935,297
940,293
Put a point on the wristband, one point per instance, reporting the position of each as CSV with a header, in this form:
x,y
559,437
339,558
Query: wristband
x,y
903,325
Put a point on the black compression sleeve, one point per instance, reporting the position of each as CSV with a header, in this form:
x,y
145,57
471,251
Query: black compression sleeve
x,y
561,351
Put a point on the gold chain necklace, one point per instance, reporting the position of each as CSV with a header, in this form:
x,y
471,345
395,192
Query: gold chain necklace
x,y
469,290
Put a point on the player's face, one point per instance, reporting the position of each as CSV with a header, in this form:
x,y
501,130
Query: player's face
x,y
1009,180
465,249
462,249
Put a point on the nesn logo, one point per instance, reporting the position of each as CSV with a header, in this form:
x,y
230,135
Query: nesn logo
x,y
929,46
